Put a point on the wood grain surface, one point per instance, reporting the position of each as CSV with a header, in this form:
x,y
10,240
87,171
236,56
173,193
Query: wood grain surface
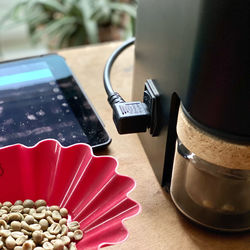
x,y
159,225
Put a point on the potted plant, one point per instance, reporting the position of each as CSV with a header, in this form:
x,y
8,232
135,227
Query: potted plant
x,y
64,23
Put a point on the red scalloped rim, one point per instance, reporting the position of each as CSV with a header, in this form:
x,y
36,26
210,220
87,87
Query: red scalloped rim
x,y
87,185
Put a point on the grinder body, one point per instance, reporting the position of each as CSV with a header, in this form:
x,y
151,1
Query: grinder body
x,y
197,51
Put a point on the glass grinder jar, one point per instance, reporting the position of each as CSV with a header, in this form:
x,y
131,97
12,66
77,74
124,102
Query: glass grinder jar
x,y
211,178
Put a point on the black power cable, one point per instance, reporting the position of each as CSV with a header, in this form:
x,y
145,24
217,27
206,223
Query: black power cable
x,y
129,117
109,64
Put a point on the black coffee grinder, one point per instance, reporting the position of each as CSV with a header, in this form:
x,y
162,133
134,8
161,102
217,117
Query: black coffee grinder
x,y
198,54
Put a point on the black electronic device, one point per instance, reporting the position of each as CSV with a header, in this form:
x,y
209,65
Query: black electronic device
x,y
192,76
197,53
40,98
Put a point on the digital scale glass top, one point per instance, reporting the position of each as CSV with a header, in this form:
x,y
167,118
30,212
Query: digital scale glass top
x,y
34,105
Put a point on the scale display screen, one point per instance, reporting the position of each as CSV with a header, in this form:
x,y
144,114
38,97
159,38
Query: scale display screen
x,y
36,104
18,76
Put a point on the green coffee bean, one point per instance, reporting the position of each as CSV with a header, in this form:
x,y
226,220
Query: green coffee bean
x,y
50,220
25,226
41,209
26,210
56,216
64,212
55,228
10,242
26,232
5,208
48,213
21,240
7,204
63,221
74,225
5,217
29,219
28,203
16,225
17,234
21,215
17,208
15,216
52,208
58,236
49,236
34,227
30,225
70,235
64,230
18,248
3,224
72,246
40,203
44,224
2,211
47,246
58,245
5,233
44,240
53,241
39,216
32,211
66,240
78,235
18,202
37,237
28,245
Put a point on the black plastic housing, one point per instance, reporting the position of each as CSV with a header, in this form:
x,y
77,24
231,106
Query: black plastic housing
x,y
151,98
198,53
218,92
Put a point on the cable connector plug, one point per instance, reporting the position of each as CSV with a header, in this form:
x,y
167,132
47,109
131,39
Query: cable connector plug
x,y
130,117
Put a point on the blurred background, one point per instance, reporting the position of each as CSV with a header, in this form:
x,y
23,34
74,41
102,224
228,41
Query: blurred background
x,y
33,27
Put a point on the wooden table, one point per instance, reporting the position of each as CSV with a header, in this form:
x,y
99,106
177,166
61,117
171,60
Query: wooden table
x,y
159,225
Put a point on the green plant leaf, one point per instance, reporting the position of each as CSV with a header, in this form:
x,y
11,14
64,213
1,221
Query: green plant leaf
x,y
65,36
53,28
91,26
52,5
116,18
128,30
69,21
37,17
69,4
102,15
124,7
79,37
13,13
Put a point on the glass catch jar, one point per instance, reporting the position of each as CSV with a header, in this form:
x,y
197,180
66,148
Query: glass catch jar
x,y
211,195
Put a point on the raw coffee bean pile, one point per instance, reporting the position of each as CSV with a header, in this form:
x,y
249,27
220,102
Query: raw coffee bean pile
x,y
28,225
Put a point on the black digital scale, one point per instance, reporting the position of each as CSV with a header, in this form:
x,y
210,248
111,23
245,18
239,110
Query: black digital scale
x,y
40,99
